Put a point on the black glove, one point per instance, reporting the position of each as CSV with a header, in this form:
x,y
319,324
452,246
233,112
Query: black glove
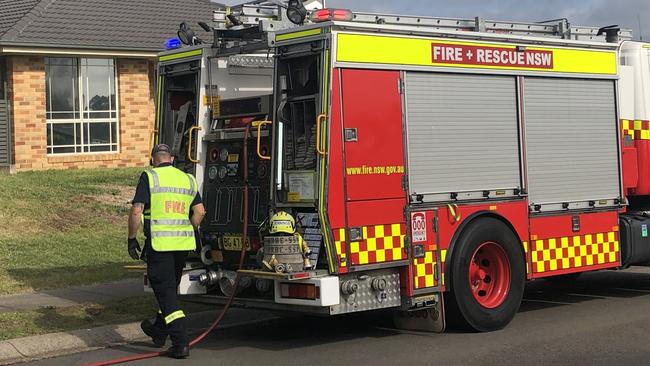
x,y
134,249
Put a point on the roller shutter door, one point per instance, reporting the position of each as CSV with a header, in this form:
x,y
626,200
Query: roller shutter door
x,y
571,136
462,134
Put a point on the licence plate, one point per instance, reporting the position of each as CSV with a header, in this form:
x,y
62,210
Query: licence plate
x,y
234,243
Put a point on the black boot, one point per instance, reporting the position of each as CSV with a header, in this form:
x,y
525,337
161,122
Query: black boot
x,y
179,352
158,336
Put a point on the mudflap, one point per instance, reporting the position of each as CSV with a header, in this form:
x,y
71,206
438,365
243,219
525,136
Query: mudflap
x,y
430,319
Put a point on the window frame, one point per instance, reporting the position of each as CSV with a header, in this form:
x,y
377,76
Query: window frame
x,y
4,78
83,121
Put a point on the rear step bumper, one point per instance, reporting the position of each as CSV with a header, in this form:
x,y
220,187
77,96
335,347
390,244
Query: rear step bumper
x,y
262,304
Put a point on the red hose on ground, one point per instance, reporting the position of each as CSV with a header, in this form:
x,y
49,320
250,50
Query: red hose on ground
x,y
242,256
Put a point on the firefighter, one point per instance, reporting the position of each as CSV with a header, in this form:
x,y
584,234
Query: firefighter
x,y
283,223
173,210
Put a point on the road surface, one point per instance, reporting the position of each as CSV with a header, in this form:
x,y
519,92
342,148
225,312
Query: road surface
x,y
602,319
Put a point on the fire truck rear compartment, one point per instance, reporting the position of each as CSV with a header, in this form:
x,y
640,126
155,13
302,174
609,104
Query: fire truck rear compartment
x,y
294,165
179,110
223,186
298,85
225,179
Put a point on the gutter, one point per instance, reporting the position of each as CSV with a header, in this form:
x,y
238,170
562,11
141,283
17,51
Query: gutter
x,y
50,49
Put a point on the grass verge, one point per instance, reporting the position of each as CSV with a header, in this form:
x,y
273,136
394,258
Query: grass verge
x,y
63,228
90,315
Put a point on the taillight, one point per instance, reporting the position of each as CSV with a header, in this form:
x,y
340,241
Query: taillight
x,y
324,15
299,291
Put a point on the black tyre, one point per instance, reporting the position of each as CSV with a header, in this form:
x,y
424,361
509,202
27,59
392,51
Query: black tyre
x,y
487,275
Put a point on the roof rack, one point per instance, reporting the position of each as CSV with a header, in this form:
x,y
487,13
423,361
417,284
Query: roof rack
x,y
555,28
248,24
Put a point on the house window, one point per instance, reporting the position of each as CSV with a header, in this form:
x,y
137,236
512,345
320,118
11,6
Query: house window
x,y
81,111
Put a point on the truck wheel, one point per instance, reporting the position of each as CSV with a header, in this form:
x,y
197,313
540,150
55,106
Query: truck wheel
x,y
487,275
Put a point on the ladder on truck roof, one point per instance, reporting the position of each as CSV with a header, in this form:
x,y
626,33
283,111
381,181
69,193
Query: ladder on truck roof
x,y
251,21
555,28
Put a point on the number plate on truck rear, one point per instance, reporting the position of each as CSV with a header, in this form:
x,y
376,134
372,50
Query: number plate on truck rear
x,y
234,242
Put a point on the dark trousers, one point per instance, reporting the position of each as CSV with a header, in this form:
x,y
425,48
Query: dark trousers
x,y
164,270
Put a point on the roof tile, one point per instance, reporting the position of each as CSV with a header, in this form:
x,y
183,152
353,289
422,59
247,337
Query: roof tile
x,y
11,11
121,24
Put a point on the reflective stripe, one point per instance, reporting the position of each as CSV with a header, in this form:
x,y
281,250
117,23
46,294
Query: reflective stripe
x,y
171,222
185,191
192,193
167,234
174,316
158,189
154,175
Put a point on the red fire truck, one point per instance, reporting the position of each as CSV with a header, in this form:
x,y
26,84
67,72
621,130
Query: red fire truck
x,y
429,162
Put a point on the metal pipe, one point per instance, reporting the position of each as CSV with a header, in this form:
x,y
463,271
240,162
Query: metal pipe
x,y
279,160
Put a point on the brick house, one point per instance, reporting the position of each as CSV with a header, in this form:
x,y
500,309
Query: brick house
x,y
77,79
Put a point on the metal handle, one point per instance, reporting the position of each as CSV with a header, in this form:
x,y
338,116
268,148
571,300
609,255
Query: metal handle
x,y
259,125
189,147
318,127
152,140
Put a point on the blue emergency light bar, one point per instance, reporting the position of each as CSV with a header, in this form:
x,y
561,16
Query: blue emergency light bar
x,y
172,43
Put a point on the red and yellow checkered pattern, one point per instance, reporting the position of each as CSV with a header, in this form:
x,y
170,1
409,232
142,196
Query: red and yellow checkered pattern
x,y
425,270
570,252
339,244
636,129
380,244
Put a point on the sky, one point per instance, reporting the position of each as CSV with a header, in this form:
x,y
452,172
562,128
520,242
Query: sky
x,y
597,13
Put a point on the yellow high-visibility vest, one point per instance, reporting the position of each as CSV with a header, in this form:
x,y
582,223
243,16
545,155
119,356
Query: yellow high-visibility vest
x,y
172,192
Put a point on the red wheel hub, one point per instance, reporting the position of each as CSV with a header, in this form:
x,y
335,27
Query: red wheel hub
x,y
489,275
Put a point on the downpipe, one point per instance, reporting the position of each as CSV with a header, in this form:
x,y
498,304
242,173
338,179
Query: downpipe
x,y
235,281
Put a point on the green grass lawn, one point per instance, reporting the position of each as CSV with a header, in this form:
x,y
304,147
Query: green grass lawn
x,y
49,320
63,228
